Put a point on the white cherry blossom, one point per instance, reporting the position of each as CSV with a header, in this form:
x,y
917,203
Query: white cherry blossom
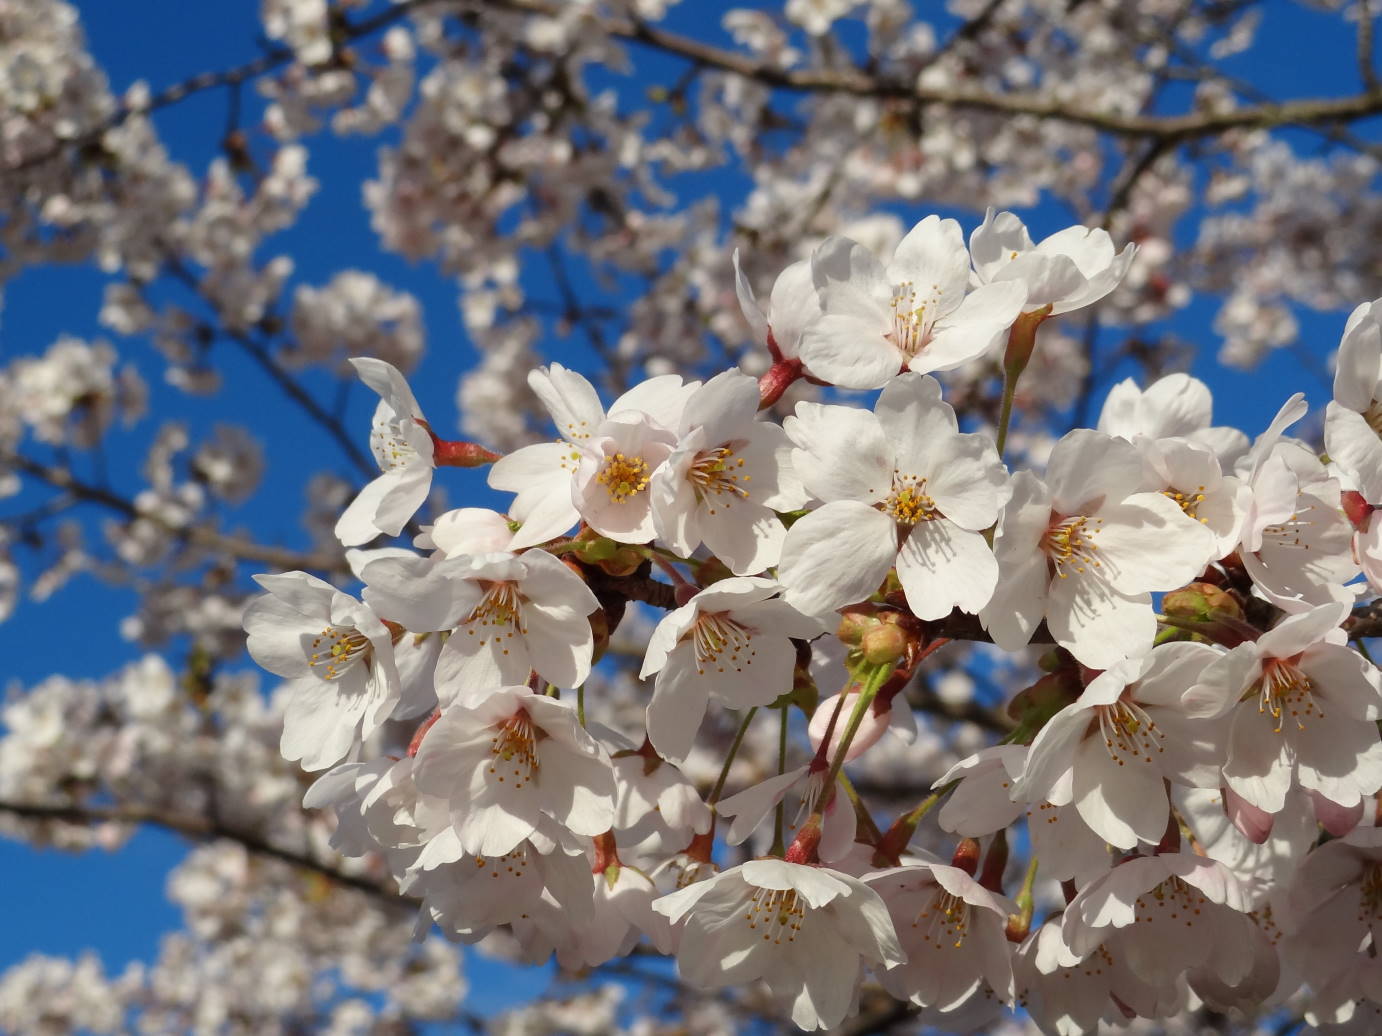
x,y
403,448
339,657
805,931
1086,549
901,486
915,313
1072,268
725,479
509,760
732,641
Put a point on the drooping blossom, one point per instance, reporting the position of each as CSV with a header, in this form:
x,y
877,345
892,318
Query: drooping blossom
x,y
807,932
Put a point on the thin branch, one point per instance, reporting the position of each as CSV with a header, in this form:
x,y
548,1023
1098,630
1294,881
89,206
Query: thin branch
x,y
200,535
271,59
1176,128
203,830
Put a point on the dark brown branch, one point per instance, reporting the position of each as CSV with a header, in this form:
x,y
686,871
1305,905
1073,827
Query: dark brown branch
x,y
1175,128
202,829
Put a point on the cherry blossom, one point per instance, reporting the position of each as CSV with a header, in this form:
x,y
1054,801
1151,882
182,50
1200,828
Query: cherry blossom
x,y
805,931
915,313
900,486
732,641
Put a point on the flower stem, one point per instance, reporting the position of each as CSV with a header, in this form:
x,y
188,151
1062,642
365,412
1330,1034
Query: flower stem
x,y
872,682
580,704
779,814
729,759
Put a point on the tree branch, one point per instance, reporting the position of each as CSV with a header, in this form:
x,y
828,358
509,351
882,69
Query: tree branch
x,y
202,829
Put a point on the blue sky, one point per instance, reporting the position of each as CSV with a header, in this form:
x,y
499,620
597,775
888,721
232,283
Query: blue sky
x,y
59,903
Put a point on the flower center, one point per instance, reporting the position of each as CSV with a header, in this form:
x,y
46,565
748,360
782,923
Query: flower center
x,y
945,918
513,864
1172,900
722,641
1129,733
1373,416
1289,532
777,912
623,477
1070,543
719,473
500,608
338,648
514,748
911,330
1285,691
909,503
1189,502
390,446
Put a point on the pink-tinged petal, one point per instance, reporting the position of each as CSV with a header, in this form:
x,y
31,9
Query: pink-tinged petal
x,y
1096,623
577,790
846,347
835,556
320,723
357,522
1259,759
932,253
974,329
1209,876
842,453
747,537
972,486
1148,543
1222,683
917,423
994,241
1295,633
1052,754
1357,364
1122,800
666,636
1088,468
1048,278
422,595
662,398
469,530
408,492
818,885
838,827
838,261
1336,819
1346,680
1291,411
1355,448
1338,757
677,706
471,666
1018,603
541,476
942,567
793,306
559,648
750,806
385,379
1252,823
753,313
1173,668
570,399
1177,405
726,405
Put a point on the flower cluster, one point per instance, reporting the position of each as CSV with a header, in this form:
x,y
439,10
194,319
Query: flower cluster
x,y
1198,704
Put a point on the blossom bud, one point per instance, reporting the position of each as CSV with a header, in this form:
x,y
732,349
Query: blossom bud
x,y
1201,601
854,623
966,856
883,644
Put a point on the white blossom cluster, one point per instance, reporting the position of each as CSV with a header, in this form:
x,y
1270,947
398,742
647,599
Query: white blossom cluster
x,y
1173,768
809,649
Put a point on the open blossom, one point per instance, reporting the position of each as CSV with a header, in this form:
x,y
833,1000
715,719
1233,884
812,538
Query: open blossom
x,y
1351,425
1111,751
339,656
1176,406
601,469
509,760
752,806
1086,549
901,486
1334,914
1296,541
1303,709
511,614
403,448
793,305
732,641
805,931
727,475
915,313
1070,269
952,930
1164,915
